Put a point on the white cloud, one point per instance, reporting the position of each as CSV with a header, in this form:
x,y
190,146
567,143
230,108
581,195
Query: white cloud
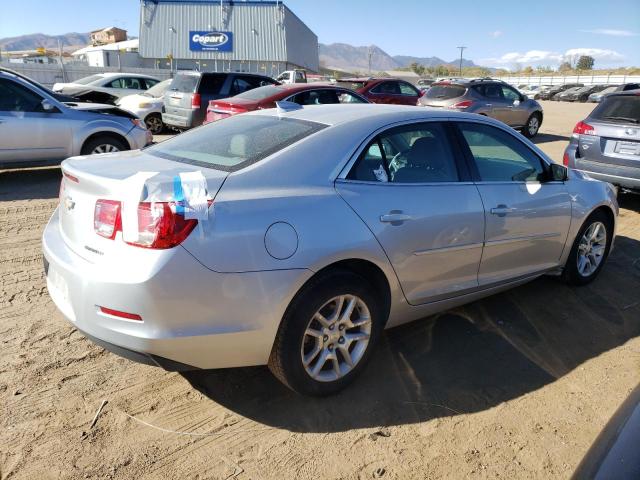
x,y
611,32
496,34
544,57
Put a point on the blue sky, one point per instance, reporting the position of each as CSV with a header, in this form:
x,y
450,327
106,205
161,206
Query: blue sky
x,y
498,33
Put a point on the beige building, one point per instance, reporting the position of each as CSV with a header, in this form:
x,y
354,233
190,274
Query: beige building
x,y
108,35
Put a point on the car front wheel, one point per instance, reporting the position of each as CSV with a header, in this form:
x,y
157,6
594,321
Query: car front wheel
x,y
327,334
590,250
154,123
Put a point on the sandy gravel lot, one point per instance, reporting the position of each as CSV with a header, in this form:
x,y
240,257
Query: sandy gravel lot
x,y
516,386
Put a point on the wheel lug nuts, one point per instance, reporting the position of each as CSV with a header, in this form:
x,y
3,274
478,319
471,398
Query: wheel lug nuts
x,y
325,338
341,340
331,348
341,327
331,327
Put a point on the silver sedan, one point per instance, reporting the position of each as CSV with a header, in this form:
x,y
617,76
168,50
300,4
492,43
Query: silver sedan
x,y
292,237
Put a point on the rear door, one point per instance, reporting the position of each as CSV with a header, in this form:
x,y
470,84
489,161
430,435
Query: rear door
x,y
385,92
411,190
527,217
27,132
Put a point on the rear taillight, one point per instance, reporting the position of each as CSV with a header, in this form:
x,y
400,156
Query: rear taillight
x,y
462,105
565,159
106,218
195,100
582,128
161,225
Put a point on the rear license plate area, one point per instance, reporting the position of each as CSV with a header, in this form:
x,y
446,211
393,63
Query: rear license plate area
x,y
627,148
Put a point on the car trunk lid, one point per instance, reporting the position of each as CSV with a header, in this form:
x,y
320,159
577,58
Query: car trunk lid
x,y
219,109
127,177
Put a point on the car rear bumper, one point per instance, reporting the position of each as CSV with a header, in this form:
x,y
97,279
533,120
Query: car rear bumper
x,y
192,317
622,176
185,120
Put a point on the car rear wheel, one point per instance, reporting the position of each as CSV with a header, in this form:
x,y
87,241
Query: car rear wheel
x,y
154,124
590,250
327,334
533,125
103,144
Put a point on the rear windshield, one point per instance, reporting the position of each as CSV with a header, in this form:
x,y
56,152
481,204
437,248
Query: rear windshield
x,y
184,83
260,93
235,142
618,109
445,92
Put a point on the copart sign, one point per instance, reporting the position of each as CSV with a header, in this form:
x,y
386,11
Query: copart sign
x,y
210,41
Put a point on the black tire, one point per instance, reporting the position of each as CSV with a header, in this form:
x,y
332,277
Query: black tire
x,y
571,274
526,131
107,140
154,124
285,361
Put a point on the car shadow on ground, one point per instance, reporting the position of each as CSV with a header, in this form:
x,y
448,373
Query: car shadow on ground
x,y
463,361
549,137
629,200
29,184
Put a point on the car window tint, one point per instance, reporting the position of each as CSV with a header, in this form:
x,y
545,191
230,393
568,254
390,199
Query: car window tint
x,y
445,91
117,83
316,97
184,83
492,91
618,109
510,94
499,156
406,89
133,83
236,142
348,97
211,84
16,98
240,85
387,88
409,154
148,83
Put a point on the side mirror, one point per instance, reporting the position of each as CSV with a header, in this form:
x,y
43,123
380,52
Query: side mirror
x,y
516,103
47,107
559,173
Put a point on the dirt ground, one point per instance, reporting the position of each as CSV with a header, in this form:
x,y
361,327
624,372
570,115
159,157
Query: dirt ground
x,y
516,386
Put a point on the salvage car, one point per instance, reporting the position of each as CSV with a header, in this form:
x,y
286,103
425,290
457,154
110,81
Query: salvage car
x,y
293,236
606,144
384,90
147,106
550,93
596,97
106,88
266,97
36,128
493,98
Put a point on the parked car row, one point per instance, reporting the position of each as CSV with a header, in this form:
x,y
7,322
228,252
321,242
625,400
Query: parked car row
x,y
573,92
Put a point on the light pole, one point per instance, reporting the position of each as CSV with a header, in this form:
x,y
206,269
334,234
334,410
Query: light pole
x,y
173,41
461,50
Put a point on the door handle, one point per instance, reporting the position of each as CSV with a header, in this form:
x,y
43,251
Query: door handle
x,y
502,210
394,218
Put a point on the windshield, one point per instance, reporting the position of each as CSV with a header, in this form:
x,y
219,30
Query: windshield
x,y
260,93
88,80
158,89
618,109
235,142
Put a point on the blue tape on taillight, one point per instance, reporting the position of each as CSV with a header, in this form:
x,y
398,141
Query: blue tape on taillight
x,y
178,195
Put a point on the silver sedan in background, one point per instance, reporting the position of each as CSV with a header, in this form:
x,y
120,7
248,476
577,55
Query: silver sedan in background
x,y
36,128
293,236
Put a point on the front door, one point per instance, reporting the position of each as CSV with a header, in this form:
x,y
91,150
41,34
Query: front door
x,y
527,216
410,189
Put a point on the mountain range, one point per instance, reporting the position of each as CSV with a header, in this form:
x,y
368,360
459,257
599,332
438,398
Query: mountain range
x,y
336,55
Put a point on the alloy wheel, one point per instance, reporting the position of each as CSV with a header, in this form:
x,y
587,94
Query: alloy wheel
x,y
534,125
336,338
154,124
105,148
591,249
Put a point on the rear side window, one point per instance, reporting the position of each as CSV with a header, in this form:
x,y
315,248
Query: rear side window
x,y
445,92
618,109
211,84
236,142
184,83
409,154
316,97
387,88
500,157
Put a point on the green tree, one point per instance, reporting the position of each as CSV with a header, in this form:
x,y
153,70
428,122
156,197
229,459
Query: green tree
x,y
585,62
564,66
417,68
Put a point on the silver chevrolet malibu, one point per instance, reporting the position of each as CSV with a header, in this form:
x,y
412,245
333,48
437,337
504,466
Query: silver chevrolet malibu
x,y
292,237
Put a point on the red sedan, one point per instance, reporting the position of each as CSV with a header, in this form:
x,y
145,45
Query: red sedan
x,y
385,90
266,97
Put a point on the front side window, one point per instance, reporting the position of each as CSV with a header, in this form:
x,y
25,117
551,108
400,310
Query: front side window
x,y
149,83
235,143
133,83
408,154
499,156
240,85
16,98
510,95
117,83
348,97
406,89
387,88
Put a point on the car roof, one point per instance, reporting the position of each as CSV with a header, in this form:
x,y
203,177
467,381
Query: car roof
x,y
341,114
627,93
118,74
